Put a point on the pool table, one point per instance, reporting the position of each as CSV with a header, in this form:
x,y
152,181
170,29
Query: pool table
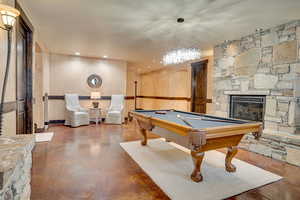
x,y
198,132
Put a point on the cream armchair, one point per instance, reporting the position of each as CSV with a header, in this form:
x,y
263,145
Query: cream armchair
x,y
75,115
115,113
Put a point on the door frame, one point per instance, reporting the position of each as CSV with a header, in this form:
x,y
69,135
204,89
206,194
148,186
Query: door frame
x,y
202,62
24,22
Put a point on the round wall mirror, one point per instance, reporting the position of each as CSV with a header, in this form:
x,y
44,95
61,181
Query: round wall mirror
x,y
94,81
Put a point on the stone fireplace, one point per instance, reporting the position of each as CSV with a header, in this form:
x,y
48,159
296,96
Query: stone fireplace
x,y
247,107
263,64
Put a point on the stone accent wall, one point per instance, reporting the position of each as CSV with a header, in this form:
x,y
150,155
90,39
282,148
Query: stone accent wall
x,y
15,167
264,63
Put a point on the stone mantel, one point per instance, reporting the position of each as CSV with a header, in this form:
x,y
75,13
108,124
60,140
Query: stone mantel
x,y
249,92
15,166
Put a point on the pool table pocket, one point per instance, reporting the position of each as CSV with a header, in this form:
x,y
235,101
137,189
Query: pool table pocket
x,y
197,138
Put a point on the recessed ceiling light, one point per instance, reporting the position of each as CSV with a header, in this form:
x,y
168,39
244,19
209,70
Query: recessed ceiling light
x,y
105,56
180,20
77,54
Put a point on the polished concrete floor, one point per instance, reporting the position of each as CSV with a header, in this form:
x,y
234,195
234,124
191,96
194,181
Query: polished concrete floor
x,y
88,163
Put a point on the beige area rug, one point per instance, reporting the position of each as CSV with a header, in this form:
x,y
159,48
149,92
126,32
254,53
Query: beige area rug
x,y
43,137
170,166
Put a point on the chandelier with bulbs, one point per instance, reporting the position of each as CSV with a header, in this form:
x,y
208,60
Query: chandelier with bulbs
x,y
182,55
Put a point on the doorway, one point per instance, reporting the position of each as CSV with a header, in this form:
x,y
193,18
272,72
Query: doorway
x,y
199,86
24,31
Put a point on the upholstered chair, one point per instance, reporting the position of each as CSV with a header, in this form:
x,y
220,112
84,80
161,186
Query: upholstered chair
x,y
115,113
75,115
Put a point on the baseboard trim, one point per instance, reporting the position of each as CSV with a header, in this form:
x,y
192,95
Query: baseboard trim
x,y
56,121
62,97
61,121
166,98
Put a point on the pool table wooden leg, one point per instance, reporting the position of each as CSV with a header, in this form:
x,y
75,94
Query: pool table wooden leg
x,y
197,160
144,134
232,151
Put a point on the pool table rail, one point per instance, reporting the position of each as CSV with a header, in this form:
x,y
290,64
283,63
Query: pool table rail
x,y
184,130
197,114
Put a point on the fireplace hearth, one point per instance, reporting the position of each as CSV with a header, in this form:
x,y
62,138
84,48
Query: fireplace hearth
x,y
247,107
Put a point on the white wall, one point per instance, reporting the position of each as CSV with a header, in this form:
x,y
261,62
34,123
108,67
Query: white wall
x,y
68,74
46,71
42,64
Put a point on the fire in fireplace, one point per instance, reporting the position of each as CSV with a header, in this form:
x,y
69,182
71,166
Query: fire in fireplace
x,y
247,107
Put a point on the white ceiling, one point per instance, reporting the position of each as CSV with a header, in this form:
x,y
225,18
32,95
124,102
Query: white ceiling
x,y
141,31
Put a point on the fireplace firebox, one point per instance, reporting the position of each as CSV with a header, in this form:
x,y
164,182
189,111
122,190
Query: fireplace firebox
x,y
247,107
